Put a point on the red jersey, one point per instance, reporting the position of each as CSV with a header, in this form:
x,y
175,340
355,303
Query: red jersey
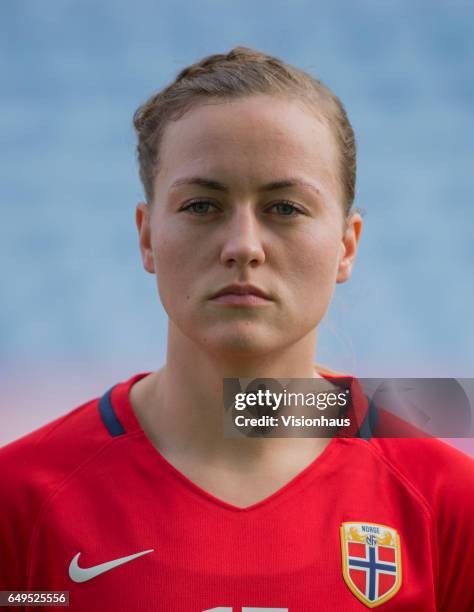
x,y
91,507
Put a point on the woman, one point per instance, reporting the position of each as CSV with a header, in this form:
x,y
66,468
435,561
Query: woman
x,y
137,500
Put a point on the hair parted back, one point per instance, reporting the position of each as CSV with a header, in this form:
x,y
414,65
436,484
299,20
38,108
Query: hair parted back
x,y
237,74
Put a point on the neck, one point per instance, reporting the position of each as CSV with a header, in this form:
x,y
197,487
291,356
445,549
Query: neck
x,y
180,406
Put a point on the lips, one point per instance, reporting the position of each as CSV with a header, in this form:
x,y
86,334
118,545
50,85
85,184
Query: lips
x,y
242,289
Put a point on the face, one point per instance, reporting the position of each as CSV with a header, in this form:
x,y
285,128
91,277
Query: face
x,y
268,213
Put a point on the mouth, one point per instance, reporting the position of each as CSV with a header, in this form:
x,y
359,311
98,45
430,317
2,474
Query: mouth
x,y
241,295
236,299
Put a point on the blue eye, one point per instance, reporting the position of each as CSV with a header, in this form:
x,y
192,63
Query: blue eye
x,y
196,204
201,208
289,206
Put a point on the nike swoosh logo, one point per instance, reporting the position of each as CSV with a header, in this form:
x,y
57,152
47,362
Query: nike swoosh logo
x,y
82,574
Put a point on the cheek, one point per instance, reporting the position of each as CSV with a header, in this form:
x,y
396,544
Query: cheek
x,y
175,245
174,268
314,262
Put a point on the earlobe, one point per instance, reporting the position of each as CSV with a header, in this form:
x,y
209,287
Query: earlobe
x,y
142,219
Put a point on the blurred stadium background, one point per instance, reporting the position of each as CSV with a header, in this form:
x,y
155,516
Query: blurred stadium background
x,y
79,313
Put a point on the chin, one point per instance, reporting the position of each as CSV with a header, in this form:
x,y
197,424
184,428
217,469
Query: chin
x,y
241,343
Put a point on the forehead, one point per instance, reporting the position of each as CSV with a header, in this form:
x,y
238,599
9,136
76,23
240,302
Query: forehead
x,y
251,137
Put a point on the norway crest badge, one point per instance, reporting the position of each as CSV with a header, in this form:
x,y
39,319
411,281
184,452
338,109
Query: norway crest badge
x,y
371,561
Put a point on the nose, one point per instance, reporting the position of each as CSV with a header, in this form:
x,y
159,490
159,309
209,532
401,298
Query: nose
x,y
242,244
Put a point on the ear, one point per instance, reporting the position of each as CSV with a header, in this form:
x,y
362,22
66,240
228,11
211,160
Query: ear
x,y
142,219
349,245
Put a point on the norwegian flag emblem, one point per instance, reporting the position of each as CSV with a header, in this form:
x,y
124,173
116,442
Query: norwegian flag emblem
x,y
371,561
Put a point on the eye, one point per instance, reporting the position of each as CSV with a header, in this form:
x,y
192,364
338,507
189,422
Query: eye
x,y
201,208
198,207
289,207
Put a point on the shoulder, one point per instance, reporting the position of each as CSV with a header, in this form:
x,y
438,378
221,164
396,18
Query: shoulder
x,y
35,465
443,479
437,471
44,457
32,469
35,468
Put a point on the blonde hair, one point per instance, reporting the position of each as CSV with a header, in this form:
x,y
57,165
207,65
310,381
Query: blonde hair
x,y
240,73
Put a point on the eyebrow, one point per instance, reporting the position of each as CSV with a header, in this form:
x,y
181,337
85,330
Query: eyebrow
x,y
218,186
